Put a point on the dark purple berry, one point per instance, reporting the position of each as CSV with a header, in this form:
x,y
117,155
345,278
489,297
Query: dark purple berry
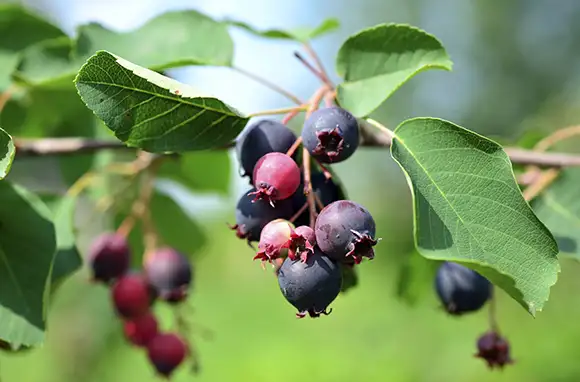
x,y
494,349
301,243
109,257
251,217
274,240
276,177
132,296
331,134
312,285
169,273
345,231
141,330
166,352
259,139
460,289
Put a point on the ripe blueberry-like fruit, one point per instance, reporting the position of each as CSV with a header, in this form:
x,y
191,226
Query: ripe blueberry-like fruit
x,y
345,231
301,243
109,257
252,216
494,349
141,330
166,351
331,135
274,240
460,289
132,296
169,273
312,285
259,139
276,177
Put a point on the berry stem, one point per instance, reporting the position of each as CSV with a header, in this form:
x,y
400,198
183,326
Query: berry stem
x,y
294,146
318,202
325,171
493,312
283,110
312,53
308,187
269,84
312,69
298,213
290,116
329,98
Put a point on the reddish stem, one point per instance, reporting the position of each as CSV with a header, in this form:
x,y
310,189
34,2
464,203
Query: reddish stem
x,y
297,214
311,68
308,187
294,146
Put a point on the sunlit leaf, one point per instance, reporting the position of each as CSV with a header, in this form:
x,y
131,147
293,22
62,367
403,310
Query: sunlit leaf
x,y
301,34
7,151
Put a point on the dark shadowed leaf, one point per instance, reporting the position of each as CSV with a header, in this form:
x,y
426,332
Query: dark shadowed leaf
x,y
27,247
7,152
376,61
415,277
301,34
469,209
153,112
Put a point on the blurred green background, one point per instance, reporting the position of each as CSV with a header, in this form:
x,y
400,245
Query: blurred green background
x,y
516,72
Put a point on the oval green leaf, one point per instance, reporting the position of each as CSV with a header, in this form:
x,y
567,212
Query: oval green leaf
x,y
301,34
150,111
376,61
7,152
27,247
468,209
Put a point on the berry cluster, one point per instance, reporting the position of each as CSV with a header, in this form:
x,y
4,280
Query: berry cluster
x,y
297,213
462,290
166,276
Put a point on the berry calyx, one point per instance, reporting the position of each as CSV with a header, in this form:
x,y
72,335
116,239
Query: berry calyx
x,y
109,257
301,243
169,273
276,177
166,351
132,296
460,289
274,240
494,349
345,231
331,134
141,330
310,286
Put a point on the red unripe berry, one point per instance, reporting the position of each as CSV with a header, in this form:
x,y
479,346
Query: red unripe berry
x,y
166,352
302,242
141,330
274,240
276,177
131,296
109,257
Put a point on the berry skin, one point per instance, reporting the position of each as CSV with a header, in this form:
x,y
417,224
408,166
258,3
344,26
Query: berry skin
x,y
331,135
141,330
166,352
274,240
259,139
276,177
301,244
460,289
494,349
109,257
132,296
345,231
251,217
349,277
169,273
312,285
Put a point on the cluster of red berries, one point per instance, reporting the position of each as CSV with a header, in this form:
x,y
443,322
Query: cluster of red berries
x,y
166,276
313,244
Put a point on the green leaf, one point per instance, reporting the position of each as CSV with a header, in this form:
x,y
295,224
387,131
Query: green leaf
x,y
173,39
377,61
301,34
20,29
415,277
7,151
558,208
153,112
27,247
199,171
67,259
468,209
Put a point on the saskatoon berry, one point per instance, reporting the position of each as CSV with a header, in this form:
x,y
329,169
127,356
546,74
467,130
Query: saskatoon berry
x,y
166,352
169,273
312,285
301,244
276,177
494,349
109,257
274,240
141,330
331,135
460,289
345,231
132,296
259,139
251,217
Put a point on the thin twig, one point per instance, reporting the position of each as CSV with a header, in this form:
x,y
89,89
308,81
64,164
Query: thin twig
x,y
308,187
294,146
312,53
542,182
283,110
492,317
268,84
317,73
298,213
